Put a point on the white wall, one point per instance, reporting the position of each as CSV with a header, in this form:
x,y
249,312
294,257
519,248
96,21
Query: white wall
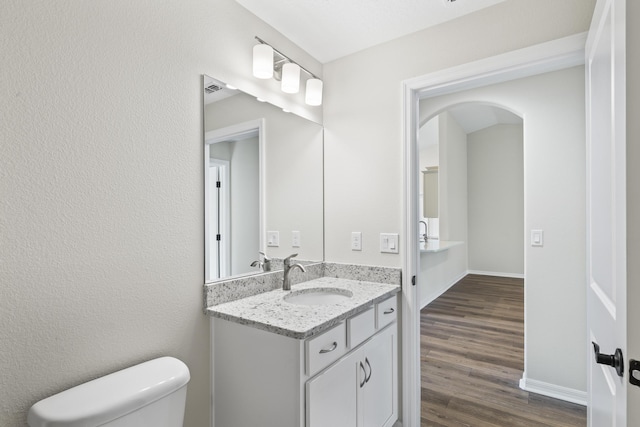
x,y
552,106
363,111
438,271
245,202
429,156
101,206
452,179
496,200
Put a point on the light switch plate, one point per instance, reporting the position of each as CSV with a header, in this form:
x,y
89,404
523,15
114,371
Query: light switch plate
x,y
356,241
389,243
273,238
295,239
537,238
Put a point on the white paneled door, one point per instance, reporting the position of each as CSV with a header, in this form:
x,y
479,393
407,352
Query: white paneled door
x,y
606,216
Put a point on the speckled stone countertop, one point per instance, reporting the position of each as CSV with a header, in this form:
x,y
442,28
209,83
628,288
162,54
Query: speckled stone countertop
x,y
270,312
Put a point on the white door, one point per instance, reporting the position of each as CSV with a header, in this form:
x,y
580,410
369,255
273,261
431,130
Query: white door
x,y
332,395
214,222
219,224
378,390
606,213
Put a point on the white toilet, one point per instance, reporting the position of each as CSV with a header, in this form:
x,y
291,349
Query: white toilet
x,y
150,394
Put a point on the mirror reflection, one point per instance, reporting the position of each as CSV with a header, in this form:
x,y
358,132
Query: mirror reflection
x,y
263,185
429,161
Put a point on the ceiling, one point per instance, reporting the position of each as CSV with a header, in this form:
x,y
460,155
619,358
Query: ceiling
x,y
471,117
474,117
331,29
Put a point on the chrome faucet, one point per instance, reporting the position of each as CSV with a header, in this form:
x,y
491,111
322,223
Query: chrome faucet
x,y
286,281
265,264
424,236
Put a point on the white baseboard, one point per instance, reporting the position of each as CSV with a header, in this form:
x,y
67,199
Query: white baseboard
x,y
429,299
496,273
552,390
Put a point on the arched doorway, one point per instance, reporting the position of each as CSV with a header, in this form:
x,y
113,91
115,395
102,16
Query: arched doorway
x,y
553,111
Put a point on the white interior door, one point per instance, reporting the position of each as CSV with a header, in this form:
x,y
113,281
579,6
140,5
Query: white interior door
x,y
219,220
606,214
214,223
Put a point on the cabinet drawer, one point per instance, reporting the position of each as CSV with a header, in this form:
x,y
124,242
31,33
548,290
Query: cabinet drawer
x,y
387,311
325,349
360,327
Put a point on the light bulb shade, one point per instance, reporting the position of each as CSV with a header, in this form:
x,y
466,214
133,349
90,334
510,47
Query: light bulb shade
x,y
313,94
290,78
263,61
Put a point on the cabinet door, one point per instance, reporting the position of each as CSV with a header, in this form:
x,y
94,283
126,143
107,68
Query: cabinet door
x,y
332,395
379,393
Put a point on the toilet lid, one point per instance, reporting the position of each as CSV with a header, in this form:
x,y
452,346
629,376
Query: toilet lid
x,y
112,396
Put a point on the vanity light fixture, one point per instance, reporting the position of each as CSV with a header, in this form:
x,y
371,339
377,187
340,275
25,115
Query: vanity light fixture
x,y
290,78
313,94
263,61
269,62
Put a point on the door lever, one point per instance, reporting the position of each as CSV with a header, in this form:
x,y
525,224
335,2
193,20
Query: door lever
x,y
616,360
634,366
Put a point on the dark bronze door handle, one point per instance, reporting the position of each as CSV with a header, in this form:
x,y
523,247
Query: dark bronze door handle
x,y
616,360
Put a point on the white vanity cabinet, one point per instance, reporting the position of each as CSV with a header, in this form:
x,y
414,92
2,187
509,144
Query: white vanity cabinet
x,y
359,390
345,376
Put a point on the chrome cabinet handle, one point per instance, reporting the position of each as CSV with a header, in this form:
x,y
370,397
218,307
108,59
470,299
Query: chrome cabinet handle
x,y
329,350
364,379
391,310
366,360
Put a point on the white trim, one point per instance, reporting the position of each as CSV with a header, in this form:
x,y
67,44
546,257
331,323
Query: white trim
x,y
542,58
496,273
430,298
212,415
551,390
411,382
554,55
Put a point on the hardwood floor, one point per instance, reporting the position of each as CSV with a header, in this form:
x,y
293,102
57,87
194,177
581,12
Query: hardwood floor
x,y
472,340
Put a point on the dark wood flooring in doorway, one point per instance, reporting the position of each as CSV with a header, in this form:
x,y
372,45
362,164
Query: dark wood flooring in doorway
x,y
472,340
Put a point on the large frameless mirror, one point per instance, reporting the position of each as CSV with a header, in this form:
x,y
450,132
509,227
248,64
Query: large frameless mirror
x,y
263,184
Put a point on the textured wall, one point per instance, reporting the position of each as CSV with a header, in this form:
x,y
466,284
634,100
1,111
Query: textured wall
x,y
101,187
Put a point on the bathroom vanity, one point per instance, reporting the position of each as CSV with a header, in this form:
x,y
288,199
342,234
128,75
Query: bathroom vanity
x,y
323,354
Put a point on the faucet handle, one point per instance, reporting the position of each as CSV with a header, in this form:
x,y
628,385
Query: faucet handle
x,y
287,260
264,256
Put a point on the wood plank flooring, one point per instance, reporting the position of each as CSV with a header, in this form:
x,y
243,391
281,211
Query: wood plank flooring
x,y
472,340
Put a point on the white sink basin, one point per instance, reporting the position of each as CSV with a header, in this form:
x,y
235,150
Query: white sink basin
x,y
318,296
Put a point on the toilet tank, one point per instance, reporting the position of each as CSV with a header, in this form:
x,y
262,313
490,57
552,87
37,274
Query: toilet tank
x,y
152,393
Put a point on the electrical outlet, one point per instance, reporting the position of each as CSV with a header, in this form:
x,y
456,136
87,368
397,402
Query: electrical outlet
x,y
356,241
295,239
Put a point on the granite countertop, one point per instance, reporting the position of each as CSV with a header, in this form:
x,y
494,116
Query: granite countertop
x,y
270,312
